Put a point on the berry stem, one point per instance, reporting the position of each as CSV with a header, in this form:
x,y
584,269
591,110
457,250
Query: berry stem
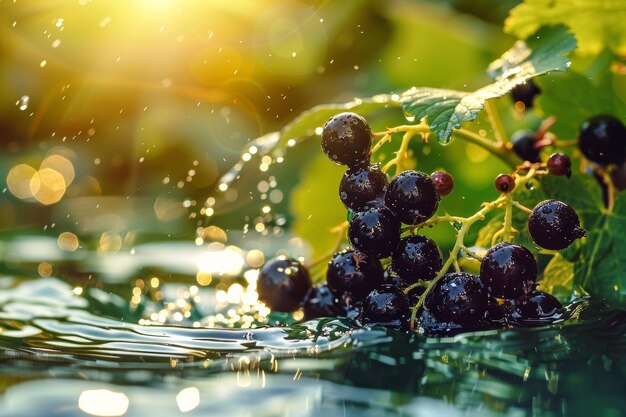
x,y
508,218
466,223
496,122
498,149
401,154
610,191
471,253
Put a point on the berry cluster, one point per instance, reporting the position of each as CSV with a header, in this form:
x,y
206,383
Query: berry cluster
x,y
395,277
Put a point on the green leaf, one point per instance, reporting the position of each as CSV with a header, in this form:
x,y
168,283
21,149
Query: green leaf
x,y
315,204
573,97
446,109
558,277
595,23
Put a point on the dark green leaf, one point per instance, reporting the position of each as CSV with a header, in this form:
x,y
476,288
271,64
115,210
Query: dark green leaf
x,y
446,109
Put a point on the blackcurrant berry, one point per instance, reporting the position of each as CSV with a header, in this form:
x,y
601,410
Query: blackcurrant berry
x,y
386,306
525,93
412,196
497,312
523,143
416,257
535,305
443,181
391,277
362,185
320,302
559,164
602,139
352,275
375,232
554,225
458,297
504,183
508,270
347,139
282,284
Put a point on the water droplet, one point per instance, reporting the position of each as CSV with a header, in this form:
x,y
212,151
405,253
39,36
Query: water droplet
x,y
23,102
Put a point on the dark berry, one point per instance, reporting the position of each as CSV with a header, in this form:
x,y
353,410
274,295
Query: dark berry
x,y
525,93
412,196
352,275
602,139
497,312
283,283
443,181
554,225
524,146
386,306
559,164
362,185
504,183
320,302
618,176
416,257
458,297
535,305
391,277
347,139
508,270
375,232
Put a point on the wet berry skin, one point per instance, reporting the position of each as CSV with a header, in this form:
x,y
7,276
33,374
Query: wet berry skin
x,y
362,185
536,305
416,257
320,302
391,277
504,183
508,270
554,225
458,297
523,145
443,182
347,139
602,139
412,196
283,283
352,275
559,164
374,232
386,306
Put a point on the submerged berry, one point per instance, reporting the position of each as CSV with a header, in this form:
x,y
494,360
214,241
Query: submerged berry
x,y
416,257
362,185
352,275
412,196
554,225
508,270
443,181
386,306
458,297
375,232
535,305
602,139
283,283
347,139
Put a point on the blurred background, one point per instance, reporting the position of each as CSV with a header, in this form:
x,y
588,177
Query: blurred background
x,y
118,118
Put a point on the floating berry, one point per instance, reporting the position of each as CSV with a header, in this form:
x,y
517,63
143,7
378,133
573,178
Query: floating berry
x,y
386,306
283,283
536,305
458,297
